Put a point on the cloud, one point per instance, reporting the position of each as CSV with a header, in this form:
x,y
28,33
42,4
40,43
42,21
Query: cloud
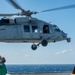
x,y
21,55
63,52
26,55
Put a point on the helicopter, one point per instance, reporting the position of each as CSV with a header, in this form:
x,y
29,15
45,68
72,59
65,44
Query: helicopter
x,y
23,28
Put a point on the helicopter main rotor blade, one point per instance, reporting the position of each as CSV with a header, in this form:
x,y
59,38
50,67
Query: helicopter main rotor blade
x,y
16,5
59,8
8,14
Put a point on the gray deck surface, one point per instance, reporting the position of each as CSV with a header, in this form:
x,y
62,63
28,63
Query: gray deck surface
x,y
39,74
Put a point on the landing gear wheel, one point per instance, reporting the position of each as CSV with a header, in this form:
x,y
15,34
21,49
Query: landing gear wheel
x,y
44,43
34,47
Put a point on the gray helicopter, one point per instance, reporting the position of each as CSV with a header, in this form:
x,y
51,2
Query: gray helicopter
x,y
26,29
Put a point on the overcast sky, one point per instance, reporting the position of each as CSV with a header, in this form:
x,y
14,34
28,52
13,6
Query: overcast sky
x,y
54,53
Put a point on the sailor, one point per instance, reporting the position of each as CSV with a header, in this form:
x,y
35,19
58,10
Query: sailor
x,y
3,69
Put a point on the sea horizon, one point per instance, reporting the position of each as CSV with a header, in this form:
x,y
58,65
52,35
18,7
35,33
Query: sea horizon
x,y
34,68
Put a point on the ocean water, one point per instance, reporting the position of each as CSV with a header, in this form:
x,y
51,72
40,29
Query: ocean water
x,y
39,68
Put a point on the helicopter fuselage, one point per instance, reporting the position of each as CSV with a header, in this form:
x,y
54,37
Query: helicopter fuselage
x,y
21,27
27,29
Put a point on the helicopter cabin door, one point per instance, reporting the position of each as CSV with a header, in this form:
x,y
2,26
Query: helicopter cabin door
x,y
46,31
30,32
26,32
35,32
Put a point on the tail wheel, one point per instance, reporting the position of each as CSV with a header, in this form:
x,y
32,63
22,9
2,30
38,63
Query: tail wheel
x,y
44,43
34,47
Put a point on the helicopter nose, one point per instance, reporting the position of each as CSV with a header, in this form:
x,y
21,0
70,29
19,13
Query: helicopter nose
x,y
64,35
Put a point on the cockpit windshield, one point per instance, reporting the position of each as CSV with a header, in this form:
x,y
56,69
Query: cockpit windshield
x,y
56,28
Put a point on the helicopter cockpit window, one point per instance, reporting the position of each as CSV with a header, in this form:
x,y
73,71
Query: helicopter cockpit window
x,y
34,29
26,29
56,28
46,29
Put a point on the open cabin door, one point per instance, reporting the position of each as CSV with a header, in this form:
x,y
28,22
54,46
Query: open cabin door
x,y
46,31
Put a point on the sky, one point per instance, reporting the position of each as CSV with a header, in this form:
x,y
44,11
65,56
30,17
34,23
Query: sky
x,y
55,53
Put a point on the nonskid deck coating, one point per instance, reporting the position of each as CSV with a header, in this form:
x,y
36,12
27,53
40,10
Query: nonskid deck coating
x,y
39,73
